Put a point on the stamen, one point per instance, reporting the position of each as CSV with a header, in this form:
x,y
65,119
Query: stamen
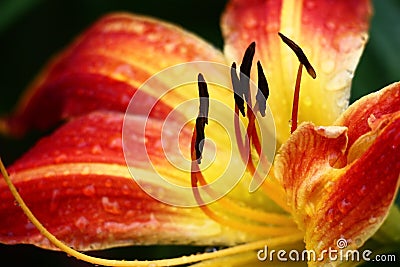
x,y
202,118
237,89
303,62
245,212
197,177
235,224
242,87
296,98
263,90
245,69
300,55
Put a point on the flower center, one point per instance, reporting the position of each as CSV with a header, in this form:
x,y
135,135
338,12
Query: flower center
x,y
265,223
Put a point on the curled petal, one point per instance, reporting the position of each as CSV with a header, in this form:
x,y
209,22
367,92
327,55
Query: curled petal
x,y
77,184
350,202
103,68
365,112
331,33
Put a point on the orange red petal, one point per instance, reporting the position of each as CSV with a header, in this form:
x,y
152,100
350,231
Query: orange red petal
x,y
103,68
360,116
78,185
332,34
348,200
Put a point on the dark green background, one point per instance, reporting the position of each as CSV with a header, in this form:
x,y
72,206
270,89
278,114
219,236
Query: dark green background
x,y
33,30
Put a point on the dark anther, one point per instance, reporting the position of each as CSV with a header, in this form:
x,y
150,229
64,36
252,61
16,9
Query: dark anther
x,y
300,55
202,118
200,124
237,89
263,90
245,69
204,98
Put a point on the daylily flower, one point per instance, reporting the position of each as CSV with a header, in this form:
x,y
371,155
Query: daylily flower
x,y
335,177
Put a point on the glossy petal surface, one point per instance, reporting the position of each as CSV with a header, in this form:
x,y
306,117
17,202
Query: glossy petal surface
x,y
332,35
103,68
352,199
76,182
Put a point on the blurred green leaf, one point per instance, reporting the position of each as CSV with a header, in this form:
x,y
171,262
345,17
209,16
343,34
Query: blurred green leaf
x,y
380,64
11,10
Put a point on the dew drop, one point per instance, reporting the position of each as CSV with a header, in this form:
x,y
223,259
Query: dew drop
x,y
89,190
60,158
210,249
343,101
341,226
339,82
81,223
344,206
49,174
108,183
54,200
115,143
29,226
250,23
330,215
110,206
307,101
16,203
331,25
310,4
125,190
372,220
328,66
85,170
96,149
362,190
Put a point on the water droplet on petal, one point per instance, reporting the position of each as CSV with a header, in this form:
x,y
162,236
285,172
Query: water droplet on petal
x,y
81,223
372,220
108,183
85,170
310,4
210,249
29,226
89,190
339,82
54,200
330,215
328,66
362,190
344,206
307,101
125,190
60,158
358,242
331,25
110,206
250,23
115,142
96,149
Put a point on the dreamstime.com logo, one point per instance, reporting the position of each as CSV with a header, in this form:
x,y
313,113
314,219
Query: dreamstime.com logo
x,y
159,123
340,253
